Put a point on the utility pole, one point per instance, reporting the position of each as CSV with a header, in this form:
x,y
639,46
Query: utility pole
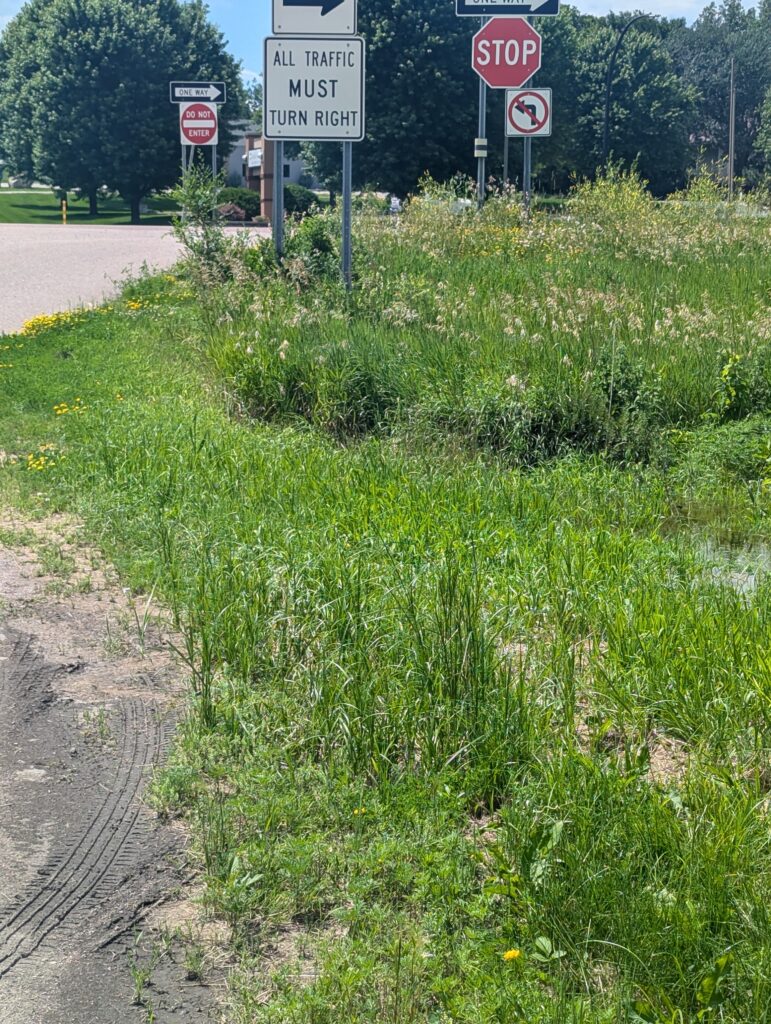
x,y
732,131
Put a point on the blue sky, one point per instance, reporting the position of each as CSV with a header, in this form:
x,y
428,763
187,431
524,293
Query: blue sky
x,y
246,22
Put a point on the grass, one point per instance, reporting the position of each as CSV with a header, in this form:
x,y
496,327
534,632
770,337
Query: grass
x,y
477,734
42,207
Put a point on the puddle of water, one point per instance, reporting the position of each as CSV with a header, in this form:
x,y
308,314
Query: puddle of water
x,y
743,566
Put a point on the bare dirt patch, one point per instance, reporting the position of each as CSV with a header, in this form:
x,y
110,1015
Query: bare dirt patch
x,y
90,693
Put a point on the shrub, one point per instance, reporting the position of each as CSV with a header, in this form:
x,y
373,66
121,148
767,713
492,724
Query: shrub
x,y
299,200
244,197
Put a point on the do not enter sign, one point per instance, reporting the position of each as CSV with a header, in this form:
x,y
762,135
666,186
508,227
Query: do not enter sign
x,y
198,124
528,112
506,53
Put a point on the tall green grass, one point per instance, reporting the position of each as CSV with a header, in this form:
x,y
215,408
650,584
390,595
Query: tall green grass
x,y
453,696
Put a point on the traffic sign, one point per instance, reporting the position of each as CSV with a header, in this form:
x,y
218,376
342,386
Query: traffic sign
x,y
198,124
506,53
314,17
207,92
314,89
528,112
505,8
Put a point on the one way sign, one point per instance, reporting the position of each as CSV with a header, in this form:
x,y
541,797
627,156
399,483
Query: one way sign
x,y
314,17
188,92
505,8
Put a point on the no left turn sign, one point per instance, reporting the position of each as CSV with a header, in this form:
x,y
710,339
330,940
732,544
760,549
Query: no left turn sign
x,y
528,112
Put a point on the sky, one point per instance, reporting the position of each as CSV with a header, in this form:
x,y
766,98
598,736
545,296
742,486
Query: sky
x,y
246,22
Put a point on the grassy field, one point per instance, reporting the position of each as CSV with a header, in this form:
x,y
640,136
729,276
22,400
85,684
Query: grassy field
x,y
25,207
472,570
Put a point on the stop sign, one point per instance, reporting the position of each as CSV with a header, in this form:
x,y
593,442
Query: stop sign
x,y
506,53
198,124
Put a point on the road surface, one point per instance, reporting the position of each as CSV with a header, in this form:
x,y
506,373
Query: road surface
x,y
47,268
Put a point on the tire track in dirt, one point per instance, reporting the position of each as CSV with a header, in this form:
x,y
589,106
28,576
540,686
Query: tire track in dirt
x,y
83,721
92,855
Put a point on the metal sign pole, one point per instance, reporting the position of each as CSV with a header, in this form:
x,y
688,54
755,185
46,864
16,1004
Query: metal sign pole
x,y
732,131
347,190
527,171
505,139
278,197
481,143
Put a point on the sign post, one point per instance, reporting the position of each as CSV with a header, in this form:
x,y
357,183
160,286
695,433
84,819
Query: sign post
x,y
314,90
198,104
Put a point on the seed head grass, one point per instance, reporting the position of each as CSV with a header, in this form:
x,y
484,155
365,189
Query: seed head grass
x,y
479,724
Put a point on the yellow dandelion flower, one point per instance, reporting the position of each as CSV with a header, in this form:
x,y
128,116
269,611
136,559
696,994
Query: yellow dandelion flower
x,y
512,954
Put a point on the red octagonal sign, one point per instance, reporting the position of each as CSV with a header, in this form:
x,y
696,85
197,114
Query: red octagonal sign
x,y
506,53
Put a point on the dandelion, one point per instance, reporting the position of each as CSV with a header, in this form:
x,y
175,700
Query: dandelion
x,y
512,954
359,810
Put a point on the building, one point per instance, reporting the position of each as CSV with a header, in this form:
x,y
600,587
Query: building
x,y
258,171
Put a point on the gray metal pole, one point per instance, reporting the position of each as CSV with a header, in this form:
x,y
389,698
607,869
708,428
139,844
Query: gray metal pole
x,y
732,132
482,134
505,140
278,198
347,255
527,172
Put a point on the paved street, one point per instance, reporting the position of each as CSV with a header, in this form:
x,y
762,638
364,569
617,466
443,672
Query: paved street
x,y
49,268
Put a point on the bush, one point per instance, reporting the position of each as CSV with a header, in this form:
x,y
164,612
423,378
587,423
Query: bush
x,y
299,200
247,200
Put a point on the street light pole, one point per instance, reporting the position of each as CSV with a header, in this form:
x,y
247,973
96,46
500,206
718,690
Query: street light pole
x,y
609,85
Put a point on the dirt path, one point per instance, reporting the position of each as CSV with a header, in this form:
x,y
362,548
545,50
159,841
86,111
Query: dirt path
x,y
87,710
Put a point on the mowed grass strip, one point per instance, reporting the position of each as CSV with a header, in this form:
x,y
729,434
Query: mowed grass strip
x,y
42,207
478,734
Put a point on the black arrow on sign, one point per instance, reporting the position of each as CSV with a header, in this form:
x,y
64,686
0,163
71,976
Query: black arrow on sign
x,y
325,5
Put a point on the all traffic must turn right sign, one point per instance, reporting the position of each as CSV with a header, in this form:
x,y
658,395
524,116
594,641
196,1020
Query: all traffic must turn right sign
x,y
528,112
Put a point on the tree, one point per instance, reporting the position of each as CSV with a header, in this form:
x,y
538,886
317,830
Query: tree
x,y
84,91
703,55
253,99
650,103
421,97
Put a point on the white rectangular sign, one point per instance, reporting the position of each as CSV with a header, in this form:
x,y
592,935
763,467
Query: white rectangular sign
x,y
528,113
314,89
314,17
254,158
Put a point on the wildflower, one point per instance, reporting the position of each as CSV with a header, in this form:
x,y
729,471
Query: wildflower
x,y
359,810
512,954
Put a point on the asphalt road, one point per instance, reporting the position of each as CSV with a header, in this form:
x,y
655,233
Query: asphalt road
x,y
48,268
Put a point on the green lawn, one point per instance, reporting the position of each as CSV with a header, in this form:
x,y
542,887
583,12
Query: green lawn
x,y
472,573
26,207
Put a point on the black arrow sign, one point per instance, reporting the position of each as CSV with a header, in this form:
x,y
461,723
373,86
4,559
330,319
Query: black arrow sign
x,y
187,92
326,5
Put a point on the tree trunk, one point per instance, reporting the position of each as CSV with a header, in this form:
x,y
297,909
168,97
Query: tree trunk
x,y
93,206
134,201
332,198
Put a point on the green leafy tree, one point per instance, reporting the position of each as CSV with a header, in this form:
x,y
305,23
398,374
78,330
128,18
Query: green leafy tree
x,y
84,91
703,55
253,102
650,103
421,97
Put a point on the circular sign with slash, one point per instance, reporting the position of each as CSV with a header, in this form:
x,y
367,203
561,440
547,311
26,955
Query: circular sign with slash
x,y
528,112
